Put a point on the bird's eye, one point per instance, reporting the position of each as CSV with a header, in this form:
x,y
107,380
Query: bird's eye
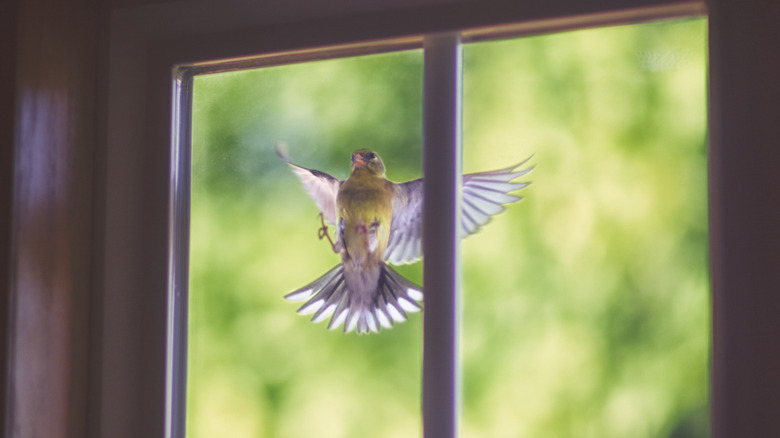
x,y
370,156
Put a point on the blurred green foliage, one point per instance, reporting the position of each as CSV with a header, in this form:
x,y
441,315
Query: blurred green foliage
x,y
586,305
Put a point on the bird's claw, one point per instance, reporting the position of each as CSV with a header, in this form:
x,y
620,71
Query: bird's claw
x,y
322,232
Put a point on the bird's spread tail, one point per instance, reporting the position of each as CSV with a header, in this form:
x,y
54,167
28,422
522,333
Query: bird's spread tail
x,y
329,295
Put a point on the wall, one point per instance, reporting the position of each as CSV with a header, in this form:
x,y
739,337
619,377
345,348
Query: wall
x,y
53,47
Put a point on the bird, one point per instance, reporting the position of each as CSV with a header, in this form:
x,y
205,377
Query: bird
x,y
378,223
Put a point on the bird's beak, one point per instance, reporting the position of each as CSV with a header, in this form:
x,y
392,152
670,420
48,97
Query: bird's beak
x,y
358,160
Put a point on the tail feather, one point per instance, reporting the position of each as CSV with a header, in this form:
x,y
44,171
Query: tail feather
x,y
407,291
342,309
329,296
333,294
310,289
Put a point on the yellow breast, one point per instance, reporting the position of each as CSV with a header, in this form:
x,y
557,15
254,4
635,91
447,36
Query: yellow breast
x,y
364,205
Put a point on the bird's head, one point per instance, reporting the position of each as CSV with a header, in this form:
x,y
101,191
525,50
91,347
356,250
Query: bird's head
x,y
369,160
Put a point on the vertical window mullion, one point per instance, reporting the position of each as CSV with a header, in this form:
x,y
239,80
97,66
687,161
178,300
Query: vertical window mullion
x,y
442,112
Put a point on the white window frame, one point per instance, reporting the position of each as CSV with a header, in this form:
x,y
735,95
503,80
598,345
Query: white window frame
x,y
143,280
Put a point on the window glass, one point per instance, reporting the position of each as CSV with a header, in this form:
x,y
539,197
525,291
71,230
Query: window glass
x,y
255,367
586,305
586,309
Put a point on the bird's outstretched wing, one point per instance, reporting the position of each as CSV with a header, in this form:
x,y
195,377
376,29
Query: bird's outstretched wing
x,y
322,187
405,242
484,195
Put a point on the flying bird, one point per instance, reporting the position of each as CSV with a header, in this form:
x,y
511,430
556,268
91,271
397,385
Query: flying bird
x,y
378,222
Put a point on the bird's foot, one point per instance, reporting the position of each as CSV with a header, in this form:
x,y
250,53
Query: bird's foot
x,y
323,233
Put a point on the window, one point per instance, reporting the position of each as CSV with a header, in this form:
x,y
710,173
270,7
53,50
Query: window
x,y
256,368
590,284
579,300
143,40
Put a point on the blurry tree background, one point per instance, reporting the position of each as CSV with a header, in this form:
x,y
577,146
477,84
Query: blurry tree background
x,y
586,305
